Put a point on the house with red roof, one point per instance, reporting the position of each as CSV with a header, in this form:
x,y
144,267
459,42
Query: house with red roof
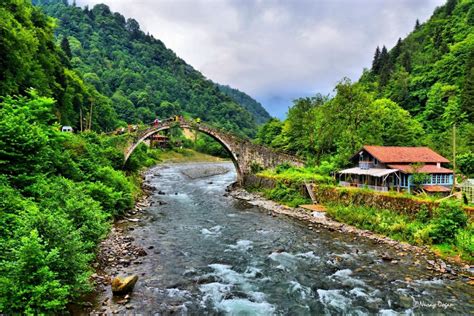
x,y
385,168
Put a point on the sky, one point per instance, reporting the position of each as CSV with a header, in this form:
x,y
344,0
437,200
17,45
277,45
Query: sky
x,y
275,50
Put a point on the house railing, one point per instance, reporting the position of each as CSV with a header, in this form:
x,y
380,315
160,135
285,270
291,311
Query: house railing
x,y
366,164
371,187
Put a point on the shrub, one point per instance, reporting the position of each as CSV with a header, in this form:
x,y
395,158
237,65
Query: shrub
x,y
290,196
465,241
255,167
283,167
448,219
110,200
119,183
27,283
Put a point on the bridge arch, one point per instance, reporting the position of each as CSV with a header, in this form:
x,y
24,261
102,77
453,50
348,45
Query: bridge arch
x,y
198,127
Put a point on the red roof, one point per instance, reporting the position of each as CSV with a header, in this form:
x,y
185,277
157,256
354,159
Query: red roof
x,y
422,169
392,154
435,188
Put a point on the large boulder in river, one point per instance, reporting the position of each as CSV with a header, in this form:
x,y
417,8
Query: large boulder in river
x,y
123,286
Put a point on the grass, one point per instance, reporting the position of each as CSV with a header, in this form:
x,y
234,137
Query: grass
x,y
296,175
287,195
403,228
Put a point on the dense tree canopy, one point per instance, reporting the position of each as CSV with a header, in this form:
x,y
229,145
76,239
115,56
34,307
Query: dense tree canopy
x,y
413,94
143,78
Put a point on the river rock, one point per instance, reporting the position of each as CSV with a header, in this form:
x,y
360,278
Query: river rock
x,y
122,286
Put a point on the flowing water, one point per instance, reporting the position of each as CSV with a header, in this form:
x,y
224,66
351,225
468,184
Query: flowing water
x,y
212,254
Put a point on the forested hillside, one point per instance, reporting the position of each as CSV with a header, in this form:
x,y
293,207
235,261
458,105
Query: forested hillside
x,y
254,107
58,191
413,94
30,59
142,78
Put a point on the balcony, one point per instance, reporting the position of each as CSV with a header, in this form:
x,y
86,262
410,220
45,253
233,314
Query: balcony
x,y
363,186
366,164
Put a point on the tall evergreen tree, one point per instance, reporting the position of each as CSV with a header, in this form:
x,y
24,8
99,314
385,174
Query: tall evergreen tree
x,y
66,47
376,61
385,67
405,61
396,51
417,24
467,96
450,6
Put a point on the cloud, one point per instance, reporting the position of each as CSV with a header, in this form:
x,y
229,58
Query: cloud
x,y
276,50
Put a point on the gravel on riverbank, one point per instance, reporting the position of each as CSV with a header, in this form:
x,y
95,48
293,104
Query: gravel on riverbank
x,y
204,171
320,220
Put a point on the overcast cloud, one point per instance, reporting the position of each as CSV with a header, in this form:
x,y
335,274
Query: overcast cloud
x,y
273,50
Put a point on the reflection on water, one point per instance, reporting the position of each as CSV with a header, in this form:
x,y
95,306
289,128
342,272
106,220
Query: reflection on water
x,y
213,254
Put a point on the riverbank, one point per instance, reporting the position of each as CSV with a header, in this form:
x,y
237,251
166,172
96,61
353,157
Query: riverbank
x,y
205,250
319,220
119,250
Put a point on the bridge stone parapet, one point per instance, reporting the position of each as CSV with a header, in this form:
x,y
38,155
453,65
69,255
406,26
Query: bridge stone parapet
x,y
244,154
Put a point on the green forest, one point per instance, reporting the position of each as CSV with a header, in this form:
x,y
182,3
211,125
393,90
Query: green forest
x,y
413,95
60,192
104,72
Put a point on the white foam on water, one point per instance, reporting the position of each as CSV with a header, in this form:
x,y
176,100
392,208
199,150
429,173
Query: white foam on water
x,y
388,312
242,245
251,272
308,255
286,260
334,299
225,273
231,215
213,231
344,277
214,292
241,306
229,279
358,292
177,293
257,296
297,287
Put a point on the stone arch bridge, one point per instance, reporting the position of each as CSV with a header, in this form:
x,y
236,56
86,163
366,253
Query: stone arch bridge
x,y
244,154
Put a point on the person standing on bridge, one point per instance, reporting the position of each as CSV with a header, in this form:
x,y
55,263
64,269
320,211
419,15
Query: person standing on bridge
x,y
156,122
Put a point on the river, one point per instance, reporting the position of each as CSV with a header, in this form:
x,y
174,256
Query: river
x,y
209,253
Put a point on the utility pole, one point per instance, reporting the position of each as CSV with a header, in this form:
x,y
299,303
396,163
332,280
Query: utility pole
x,y
454,158
90,115
80,115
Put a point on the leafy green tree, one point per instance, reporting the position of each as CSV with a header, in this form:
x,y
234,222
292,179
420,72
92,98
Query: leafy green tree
x,y
28,276
467,96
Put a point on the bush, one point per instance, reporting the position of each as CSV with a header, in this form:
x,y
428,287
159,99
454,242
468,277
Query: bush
x,y
28,275
465,241
110,200
119,183
448,219
290,196
64,197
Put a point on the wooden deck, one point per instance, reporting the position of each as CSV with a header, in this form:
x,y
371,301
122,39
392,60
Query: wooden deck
x,y
314,207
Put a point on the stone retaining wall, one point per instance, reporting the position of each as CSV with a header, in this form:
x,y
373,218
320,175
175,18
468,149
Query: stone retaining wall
x,y
353,196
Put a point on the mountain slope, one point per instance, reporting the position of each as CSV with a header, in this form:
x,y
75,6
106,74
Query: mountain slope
x,y
438,52
416,94
253,106
430,73
143,78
